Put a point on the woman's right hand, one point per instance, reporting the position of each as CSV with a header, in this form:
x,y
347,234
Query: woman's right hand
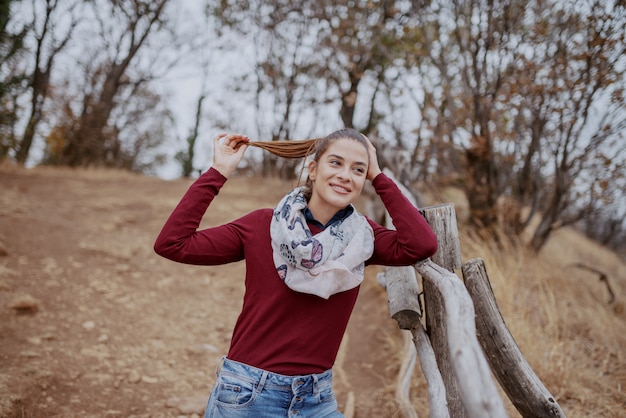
x,y
228,150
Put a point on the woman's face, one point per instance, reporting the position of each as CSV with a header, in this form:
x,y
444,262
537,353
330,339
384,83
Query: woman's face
x,y
337,177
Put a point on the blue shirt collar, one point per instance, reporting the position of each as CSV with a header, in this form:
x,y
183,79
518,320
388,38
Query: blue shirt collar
x,y
337,217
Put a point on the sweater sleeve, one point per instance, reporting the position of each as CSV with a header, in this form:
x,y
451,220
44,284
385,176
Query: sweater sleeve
x,y
412,240
181,241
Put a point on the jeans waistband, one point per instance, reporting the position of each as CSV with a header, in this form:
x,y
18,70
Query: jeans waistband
x,y
311,383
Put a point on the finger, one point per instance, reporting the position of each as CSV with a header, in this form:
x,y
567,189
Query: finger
x,y
241,141
237,140
218,138
241,147
231,140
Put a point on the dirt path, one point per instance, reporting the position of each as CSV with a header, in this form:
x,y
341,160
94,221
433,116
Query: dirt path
x,y
94,324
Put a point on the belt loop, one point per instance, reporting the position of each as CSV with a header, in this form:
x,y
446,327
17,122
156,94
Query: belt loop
x,y
315,386
262,381
219,365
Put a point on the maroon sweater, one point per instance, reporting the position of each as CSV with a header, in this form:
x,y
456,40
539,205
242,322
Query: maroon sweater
x,y
281,330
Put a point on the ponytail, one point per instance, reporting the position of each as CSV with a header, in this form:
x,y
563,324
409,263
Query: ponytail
x,y
306,147
287,149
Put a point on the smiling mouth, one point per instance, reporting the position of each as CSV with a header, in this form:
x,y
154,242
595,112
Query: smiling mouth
x,y
339,189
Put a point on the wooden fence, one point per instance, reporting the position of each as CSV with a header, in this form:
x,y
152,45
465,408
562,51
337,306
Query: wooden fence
x,y
461,340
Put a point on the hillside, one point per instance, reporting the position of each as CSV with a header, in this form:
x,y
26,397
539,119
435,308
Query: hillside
x,y
94,324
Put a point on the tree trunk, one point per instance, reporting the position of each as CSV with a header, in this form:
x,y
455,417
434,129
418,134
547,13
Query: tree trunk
x,y
348,100
479,183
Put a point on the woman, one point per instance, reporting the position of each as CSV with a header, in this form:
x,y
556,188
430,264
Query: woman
x,y
304,263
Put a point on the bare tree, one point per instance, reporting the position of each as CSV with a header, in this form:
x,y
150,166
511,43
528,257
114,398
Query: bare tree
x,y
312,54
47,48
519,87
111,79
469,60
11,75
578,113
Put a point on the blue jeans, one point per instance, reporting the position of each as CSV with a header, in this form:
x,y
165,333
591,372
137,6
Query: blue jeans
x,y
245,391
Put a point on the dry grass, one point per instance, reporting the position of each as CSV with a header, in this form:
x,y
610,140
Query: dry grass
x,y
561,319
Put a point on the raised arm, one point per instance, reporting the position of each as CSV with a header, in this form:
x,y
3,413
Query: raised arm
x,y
412,240
179,239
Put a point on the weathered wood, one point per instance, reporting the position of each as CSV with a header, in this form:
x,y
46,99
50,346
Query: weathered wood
x,y
438,334
406,320
402,295
516,377
403,382
401,282
436,388
478,391
442,220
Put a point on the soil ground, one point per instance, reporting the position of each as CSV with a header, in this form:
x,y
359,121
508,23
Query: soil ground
x,y
94,324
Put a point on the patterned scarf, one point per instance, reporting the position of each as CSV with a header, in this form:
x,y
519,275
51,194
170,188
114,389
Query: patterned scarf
x,y
329,262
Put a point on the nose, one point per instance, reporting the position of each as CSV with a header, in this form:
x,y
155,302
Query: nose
x,y
344,173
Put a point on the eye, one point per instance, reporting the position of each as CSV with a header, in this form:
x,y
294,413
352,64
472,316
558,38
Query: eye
x,y
335,162
359,170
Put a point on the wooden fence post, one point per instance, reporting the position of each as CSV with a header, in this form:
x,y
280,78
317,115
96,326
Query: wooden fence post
x,y
516,377
442,220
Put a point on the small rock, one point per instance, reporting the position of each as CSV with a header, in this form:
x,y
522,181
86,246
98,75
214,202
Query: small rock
x,y
210,347
7,272
201,349
98,352
117,382
34,340
122,268
133,377
75,374
89,325
3,284
148,379
24,304
166,282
